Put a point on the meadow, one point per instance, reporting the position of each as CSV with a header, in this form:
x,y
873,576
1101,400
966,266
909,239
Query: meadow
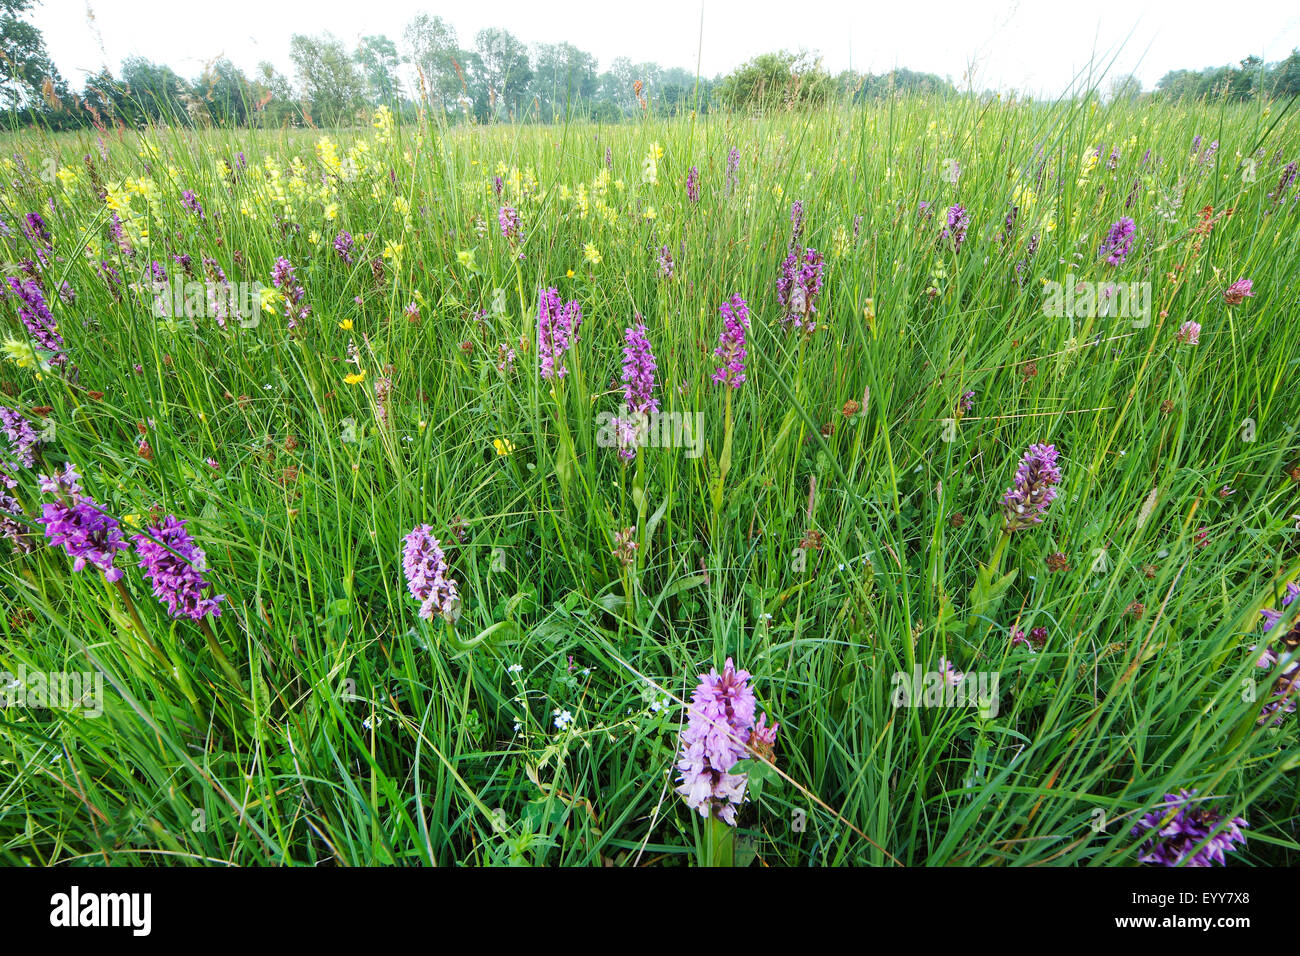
x,y
441,598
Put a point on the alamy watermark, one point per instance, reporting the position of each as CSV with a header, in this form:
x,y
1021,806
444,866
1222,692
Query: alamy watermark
x,y
53,690
1078,299
133,911
630,429
207,300
947,687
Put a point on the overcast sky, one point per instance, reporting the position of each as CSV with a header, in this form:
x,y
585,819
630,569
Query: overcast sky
x,y
1031,46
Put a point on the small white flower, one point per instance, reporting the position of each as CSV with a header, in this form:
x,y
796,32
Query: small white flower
x,y
514,668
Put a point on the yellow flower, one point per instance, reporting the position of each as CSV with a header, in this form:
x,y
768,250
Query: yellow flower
x,y
503,446
592,254
328,153
346,325
840,243
268,294
650,165
569,274
650,212
21,353
356,378
383,124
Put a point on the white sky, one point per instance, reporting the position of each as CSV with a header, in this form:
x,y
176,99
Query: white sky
x,y
1031,46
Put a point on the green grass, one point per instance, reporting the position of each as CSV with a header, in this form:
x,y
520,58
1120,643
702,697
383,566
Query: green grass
x,y
355,733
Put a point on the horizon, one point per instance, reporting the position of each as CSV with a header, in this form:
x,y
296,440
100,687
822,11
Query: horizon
x,y
975,45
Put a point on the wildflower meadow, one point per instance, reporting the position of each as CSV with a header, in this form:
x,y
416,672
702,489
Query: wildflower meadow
x,y
910,482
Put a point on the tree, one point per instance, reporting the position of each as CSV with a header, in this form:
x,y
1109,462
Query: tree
x,y
154,93
621,89
101,98
1125,88
1179,84
563,77
1285,78
272,98
503,69
1241,84
27,77
328,77
782,80
377,57
432,48
225,90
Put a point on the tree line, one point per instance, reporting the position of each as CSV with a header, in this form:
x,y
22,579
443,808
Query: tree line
x,y
496,77
1234,83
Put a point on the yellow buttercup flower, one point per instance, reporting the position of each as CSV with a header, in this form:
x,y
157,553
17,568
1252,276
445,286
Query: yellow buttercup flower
x,y
356,378
346,325
503,446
